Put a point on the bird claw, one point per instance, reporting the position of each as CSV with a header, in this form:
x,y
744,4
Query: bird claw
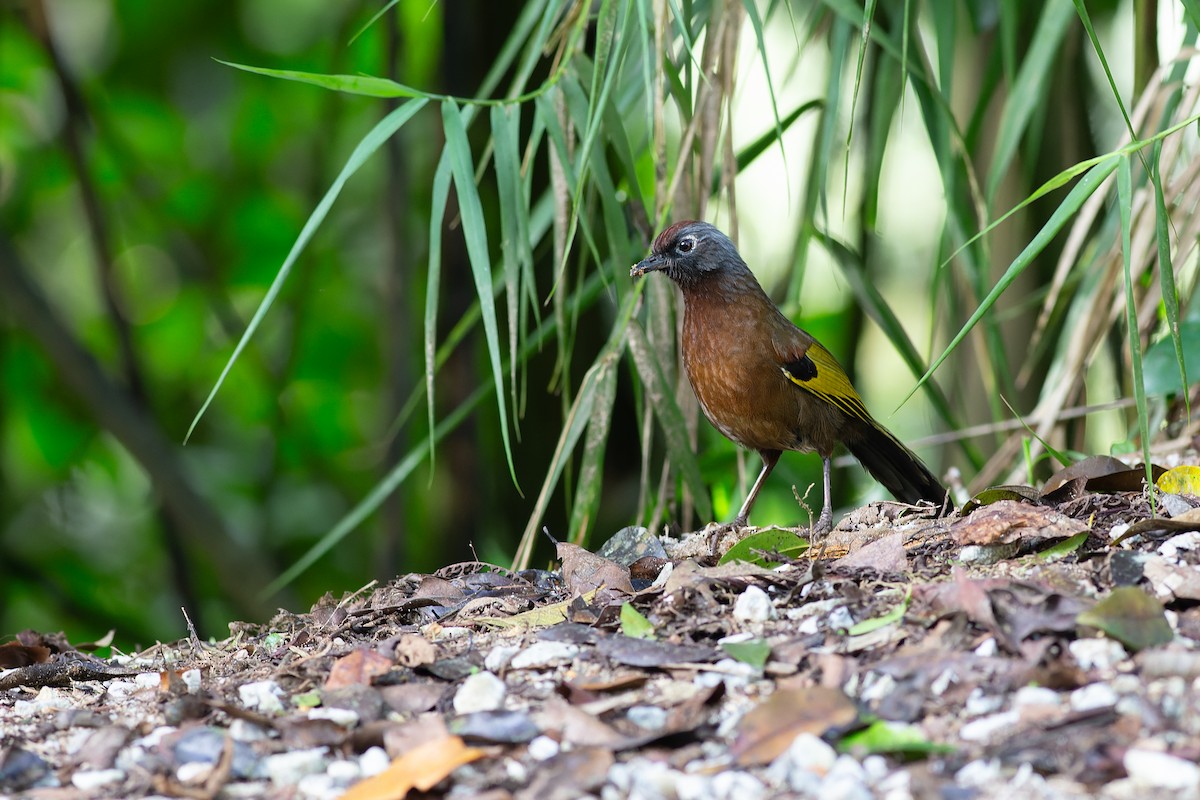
x,y
717,532
824,524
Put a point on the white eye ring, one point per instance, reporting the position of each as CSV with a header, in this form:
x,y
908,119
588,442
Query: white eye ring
x,y
686,244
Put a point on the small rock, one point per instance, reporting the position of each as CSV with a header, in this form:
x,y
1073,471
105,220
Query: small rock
x,y
988,648
499,657
753,605
984,728
648,718
1098,654
266,696
845,781
147,680
193,773
318,786
979,774
120,689
802,766
482,691
736,785
89,779
876,686
344,772
1094,695
192,679
980,702
542,748
286,769
541,655
1173,505
241,730
22,769
373,761
1162,770
840,619
1028,696
342,717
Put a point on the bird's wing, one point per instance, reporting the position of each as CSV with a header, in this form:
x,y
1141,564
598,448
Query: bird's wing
x,y
814,369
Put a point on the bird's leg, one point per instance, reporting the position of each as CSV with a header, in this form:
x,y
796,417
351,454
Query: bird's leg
x,y
770,459
825,521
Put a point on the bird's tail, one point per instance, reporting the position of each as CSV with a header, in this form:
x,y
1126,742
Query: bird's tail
x,y
894,465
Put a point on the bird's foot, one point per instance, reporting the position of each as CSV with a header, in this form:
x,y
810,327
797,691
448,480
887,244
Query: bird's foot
x,y
824,524
717,532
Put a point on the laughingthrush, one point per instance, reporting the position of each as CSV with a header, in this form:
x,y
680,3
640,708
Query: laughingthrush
x,y
762,381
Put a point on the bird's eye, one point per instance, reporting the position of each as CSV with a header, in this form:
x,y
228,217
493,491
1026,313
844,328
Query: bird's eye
x,y
686,244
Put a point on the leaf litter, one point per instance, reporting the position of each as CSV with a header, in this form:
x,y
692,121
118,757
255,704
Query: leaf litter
x,y
1043,643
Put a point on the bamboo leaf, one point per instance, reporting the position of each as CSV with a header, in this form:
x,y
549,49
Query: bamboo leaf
x,y
439,196
475,233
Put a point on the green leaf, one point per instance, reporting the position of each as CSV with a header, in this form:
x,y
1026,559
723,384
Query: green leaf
x,y
1132,617
785,543
754,652
1063,548
634,624
475,233
890,618
893,738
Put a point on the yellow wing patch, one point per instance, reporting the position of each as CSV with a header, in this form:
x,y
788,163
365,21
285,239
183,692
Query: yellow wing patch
x,y
830,384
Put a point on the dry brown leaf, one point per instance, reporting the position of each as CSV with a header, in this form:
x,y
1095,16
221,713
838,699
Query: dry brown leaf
x,y
768,729
1103,474
423,767
585,572
13,655
359,667
428,727
883,555
412,651
1007,521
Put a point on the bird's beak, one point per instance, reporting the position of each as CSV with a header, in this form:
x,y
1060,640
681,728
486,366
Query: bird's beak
x,y
651,263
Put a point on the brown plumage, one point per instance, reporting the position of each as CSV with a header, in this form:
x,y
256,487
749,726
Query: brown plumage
x,y
763,382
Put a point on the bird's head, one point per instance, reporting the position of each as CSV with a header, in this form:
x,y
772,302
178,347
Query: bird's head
x,y
691,252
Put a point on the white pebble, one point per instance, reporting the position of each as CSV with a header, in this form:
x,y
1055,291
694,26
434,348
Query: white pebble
x,y
1094,695
984,728
1177,546
193,773
342,717
192,679
482,691
374,761
541,655
753,605
499,657
845,781
542,748
266,696
840,619
648,718
1035,696
978,774
241,730
1161,770
1101,654
286,769
980,702
736,785
801,767
344,772
87,779
988,648
318,787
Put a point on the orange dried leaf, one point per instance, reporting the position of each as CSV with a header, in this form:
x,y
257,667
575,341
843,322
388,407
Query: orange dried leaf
x,y
423,767
357,668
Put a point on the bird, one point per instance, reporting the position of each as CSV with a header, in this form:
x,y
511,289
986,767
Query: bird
x,y
766,384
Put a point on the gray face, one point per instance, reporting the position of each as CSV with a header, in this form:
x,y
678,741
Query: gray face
x,y
689,250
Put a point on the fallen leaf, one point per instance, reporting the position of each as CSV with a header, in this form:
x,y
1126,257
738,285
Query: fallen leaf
x,y
13,655
571,774
1132,617
754,652
882,736
423,767
1008,521
359,666
1180,480
1103,474
1187,521
884,555
995,494
585,572
768,729
634,624
752,548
